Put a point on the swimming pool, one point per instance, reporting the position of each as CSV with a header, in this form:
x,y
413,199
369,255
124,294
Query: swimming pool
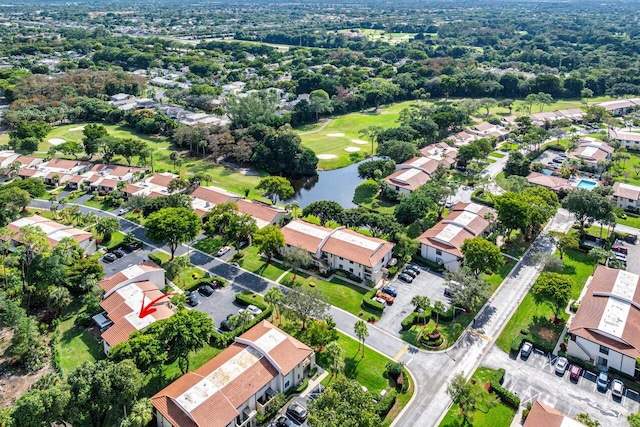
x,y
588,185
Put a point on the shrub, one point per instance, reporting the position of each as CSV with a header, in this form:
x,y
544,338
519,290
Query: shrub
x,y
408,322
386,403
427,263
83,320
505,395
394,368
405,382
369,303
248,298
516,343
312,373
155,258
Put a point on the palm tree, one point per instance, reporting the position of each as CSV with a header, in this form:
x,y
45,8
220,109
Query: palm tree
x,y
274,297
59,297
438,307
293,208
90,218
141,414
335,356
362,332
421,302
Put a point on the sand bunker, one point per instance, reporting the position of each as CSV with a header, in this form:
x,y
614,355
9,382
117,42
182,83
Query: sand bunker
x,y
326,156
77,128
352,149
359,141
335,135
57,141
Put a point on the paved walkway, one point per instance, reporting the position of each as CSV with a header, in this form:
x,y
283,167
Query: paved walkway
x,y
320,129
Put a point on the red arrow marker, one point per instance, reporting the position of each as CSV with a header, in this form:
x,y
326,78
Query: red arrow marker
x,y
148,309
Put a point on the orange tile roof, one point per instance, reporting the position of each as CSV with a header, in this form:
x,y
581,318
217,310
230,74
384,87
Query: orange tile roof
x,y
545,416
297,239
209,194
162,180
259,210
62,163
551,182
412,183
357,253
27,172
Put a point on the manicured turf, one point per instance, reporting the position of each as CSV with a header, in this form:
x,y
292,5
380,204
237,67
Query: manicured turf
x,y
186,277
368,371
196,360
500,415
579,267
75,345
253,262
497,155
209,245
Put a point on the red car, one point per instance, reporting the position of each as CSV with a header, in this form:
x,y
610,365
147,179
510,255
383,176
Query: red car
x,y
386,297
575,372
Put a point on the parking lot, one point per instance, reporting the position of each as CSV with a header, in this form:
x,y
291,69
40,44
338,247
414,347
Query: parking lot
x,y
535,378
426,283
546,158
129,259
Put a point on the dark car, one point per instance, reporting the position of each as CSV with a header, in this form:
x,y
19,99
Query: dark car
x,y
526,349
413,268
409,273
297,412
284,422
134,246
448,293
574,372
118,252
405,277
603,381
192,299
109,257
206,290
389,290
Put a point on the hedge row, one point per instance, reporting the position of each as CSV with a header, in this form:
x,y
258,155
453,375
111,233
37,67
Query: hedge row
x,y
475,197
155,258
369,303
386,403
249,298
428,263
505,395
222,340
219,281
416,318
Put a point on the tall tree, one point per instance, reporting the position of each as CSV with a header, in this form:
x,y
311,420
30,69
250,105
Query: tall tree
x,y
275,187
554,288
320,103
334,355
269,240
306,303
274,298
297,258
184,332
362,332
106,226
173,226
343,403
481,255
324,210
467,396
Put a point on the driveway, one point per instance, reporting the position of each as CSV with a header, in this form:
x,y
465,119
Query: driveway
x,y
535,379
129,259
426,283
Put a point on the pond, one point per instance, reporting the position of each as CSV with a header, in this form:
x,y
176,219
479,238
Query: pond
x,y
337,185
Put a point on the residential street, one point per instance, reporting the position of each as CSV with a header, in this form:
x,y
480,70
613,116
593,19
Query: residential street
x,y
431,371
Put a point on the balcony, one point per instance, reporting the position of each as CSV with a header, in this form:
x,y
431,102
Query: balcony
x,y
246,418
266,401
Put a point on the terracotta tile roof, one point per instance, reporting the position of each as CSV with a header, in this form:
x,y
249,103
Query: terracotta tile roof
x,y
223,385
601,313
214,195
626,191
304,235
109,183
53,230
162,180
62,163
592,150
131,189
111,282
27,172
77,179
262,212
545,416
26,160
624,136
465,221
129,273
552,182
409,179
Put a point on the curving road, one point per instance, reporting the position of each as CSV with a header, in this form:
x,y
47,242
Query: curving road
x,y
431,371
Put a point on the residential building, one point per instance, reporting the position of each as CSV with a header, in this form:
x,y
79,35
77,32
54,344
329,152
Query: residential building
x,y
442,242
238,384
606,329
154,186
126,293
407,180
463,138
551,182
574,114
205,198
627,139
340,249
542,415
417,171
262,213
592,151
55,171
618,107
487,130
106,177
540,119
626,196
11,162
54,232
442,153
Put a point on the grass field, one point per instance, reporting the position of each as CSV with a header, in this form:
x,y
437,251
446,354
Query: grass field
x,y
578,267
500,415
349,125
75,345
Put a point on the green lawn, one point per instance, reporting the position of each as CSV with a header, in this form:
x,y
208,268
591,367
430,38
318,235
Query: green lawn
x,y
253,262
560,104
631,221
209,245
196,360
497,154
98,204
368,371
116,239
500,415
75,345
339,293
530,314
349,125
185,278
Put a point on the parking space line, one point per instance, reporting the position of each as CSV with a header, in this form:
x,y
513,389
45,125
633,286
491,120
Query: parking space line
x,y
401,352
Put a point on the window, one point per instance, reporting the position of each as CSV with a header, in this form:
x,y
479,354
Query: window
x,y
602,361
341,267
351,270
604,350
286,385
438,252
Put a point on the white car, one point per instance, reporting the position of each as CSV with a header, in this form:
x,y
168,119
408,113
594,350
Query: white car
x,y
251,309
223,250
617,388
561,365
123,211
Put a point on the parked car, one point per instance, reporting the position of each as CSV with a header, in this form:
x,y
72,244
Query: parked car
x,y
206,290
574,372
448,293
602,382
414,268
561,365
390,290
385,297
285,422
109,257
405,278
620,249
297,412
118,252
223,250
617,388
409,273
134,246
380,300
253,310
192,299
448,205
123,211
526,349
